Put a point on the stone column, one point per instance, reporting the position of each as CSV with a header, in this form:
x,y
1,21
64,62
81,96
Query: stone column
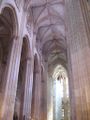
x,y
65,100
50,105
36,93
78,61
0,70
43,107
11,78
0,63
28,89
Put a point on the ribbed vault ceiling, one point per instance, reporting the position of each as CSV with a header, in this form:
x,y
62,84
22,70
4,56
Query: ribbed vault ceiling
x,y
49,23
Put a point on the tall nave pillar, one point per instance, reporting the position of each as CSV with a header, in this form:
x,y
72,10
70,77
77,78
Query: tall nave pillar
x,y
43,106
78,49
36,91
11,78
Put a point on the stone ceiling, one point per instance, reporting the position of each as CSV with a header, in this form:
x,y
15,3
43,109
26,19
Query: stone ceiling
x,y
49,22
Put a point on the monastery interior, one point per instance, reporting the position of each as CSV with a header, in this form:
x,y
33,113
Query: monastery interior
x,y
44,59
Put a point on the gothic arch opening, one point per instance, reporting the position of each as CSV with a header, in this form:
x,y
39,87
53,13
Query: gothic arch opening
x,y
7,31
8,17
19,101
59,108
61,102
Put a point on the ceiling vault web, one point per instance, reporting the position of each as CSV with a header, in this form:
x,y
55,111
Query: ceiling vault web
x,y
50,3
49,21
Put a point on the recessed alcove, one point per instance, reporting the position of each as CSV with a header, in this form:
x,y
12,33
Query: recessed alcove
x,y
60,107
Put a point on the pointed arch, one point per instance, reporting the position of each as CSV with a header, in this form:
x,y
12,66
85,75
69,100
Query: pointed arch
x,y
10,10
